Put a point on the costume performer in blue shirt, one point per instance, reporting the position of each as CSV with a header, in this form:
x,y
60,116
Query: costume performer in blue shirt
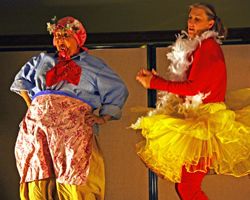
x,y
56,153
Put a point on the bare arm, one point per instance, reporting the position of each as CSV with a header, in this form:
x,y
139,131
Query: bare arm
x,y
26,97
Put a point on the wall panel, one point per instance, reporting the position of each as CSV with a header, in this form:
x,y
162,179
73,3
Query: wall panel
x,y
126,175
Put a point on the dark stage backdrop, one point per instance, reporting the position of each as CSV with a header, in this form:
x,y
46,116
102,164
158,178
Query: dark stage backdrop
x,y
30,16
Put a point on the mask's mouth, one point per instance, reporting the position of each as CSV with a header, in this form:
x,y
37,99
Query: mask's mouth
x,y
63,51
63,47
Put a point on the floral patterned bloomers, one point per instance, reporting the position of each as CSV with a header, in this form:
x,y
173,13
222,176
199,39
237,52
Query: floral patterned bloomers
x,y
54,140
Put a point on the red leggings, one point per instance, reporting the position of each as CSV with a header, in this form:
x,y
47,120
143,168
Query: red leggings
x,y
190,186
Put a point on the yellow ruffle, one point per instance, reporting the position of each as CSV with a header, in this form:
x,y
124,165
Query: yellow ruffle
x,y
208,137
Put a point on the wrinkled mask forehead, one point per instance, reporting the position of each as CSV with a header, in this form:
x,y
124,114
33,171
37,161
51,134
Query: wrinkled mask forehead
x,y
61,33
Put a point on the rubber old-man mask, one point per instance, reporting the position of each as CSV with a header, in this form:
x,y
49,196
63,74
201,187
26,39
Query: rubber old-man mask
x,y
69,36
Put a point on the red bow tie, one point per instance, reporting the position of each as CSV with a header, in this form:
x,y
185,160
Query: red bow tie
x,y
64,70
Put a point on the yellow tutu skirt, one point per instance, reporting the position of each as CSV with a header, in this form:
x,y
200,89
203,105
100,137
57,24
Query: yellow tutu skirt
x,y
211,136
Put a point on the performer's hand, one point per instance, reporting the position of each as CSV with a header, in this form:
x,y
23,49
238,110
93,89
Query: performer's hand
x,y
92,119
144,77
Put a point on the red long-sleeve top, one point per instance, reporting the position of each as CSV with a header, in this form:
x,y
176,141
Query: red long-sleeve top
x,y
207,74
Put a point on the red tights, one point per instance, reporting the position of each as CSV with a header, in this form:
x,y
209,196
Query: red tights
x,y
190,186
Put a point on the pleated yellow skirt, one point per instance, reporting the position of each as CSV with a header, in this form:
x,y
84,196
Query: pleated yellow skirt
x,y
210,136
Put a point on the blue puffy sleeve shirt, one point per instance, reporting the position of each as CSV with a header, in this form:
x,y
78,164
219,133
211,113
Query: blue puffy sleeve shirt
x,y
99,86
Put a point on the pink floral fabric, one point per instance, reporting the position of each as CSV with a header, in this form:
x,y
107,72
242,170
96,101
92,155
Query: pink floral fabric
x,y
54,140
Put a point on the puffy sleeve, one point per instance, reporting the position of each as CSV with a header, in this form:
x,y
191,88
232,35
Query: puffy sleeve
x,y
25,78
113,92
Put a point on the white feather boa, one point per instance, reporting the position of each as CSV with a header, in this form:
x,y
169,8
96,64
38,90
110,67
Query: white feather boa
x,y
181,59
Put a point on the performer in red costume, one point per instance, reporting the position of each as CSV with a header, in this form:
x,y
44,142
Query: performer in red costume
x,y
191,130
